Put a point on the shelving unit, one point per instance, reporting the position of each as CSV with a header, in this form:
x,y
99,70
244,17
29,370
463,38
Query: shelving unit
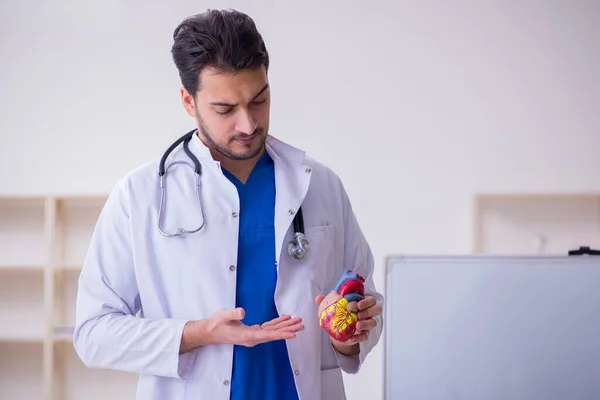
x,y
43,242
537,223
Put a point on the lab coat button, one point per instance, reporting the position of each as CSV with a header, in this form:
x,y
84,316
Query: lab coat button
x,y
297,372
232,267
234,214
291,212
308,170
226,382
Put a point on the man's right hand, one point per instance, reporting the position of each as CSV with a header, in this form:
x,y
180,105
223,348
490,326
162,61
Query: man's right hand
x,y
225,326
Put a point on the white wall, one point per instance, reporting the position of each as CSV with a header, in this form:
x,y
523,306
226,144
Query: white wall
x,y
416,105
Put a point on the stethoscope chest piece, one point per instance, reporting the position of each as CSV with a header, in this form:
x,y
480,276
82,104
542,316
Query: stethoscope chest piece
x,y
299,246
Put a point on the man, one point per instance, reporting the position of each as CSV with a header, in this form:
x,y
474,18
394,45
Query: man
x,y
225,312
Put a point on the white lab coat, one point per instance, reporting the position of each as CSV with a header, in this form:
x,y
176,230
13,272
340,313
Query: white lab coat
x,y
138,288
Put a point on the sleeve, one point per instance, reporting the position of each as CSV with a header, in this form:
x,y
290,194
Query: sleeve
x,y
108,333
359,257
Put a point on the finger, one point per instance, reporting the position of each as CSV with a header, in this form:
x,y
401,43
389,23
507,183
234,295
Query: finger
x,y
370,312
352,306
360,338
266,336
263,336
237,314
319,299
276,321
357,338
284,324
367,302
292,328
366,325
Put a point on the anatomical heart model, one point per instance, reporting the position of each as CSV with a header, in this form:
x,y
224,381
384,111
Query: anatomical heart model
x,y
335,319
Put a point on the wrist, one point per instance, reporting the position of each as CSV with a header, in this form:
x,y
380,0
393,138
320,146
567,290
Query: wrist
x,y
195,334
346,349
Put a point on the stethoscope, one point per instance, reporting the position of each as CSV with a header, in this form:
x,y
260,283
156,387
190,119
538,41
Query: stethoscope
x,y
297,247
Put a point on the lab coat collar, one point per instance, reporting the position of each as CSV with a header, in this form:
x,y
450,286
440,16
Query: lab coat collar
x,y
291,156
201,151
292,179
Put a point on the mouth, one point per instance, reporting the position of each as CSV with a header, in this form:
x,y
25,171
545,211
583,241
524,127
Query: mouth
x,y
246,140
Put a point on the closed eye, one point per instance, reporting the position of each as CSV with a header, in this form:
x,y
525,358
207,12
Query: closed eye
x,y
228,110
225,112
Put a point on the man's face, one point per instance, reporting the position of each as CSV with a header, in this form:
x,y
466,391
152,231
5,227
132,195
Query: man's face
x,y
232,111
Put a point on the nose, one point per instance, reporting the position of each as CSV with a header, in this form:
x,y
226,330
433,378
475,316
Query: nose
x,y
246,123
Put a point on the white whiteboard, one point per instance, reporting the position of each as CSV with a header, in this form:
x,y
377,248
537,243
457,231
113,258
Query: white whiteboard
x,y
491,328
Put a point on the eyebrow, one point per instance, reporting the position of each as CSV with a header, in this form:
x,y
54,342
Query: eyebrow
x,y
225,104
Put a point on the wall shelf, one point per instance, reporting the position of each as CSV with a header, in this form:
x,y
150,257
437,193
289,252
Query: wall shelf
x,y
43,243
535,223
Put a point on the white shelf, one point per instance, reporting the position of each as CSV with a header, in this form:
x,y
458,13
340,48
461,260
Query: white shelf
x,y
536,223
43,243
30,338
63,337
22,268
68,268
21,371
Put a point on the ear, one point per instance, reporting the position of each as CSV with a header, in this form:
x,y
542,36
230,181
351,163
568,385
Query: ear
x,y
188,102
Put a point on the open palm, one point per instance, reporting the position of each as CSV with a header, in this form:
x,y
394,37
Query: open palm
x,y
229,328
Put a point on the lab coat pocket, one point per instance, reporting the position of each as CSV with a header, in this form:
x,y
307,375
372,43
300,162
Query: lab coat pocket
x,y
332,385
159,387
320,258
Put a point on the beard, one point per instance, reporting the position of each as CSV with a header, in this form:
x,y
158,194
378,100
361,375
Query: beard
x,y
248,151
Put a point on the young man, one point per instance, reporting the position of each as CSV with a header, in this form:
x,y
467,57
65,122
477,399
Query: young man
x,y
225,311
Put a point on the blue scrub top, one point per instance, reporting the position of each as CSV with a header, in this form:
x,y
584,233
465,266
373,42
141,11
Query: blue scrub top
x,y
263,371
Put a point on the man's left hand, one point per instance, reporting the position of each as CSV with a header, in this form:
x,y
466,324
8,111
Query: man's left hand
x,y
366,309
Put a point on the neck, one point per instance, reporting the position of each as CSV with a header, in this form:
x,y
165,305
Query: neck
x,y
241,169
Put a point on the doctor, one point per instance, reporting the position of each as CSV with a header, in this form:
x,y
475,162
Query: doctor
x,y
224,311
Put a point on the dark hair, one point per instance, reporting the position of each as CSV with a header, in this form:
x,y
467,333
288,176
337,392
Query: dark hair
x,y
223,39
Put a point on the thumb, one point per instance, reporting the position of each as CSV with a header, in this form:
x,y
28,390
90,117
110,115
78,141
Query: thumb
x,y
319,299
237,314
